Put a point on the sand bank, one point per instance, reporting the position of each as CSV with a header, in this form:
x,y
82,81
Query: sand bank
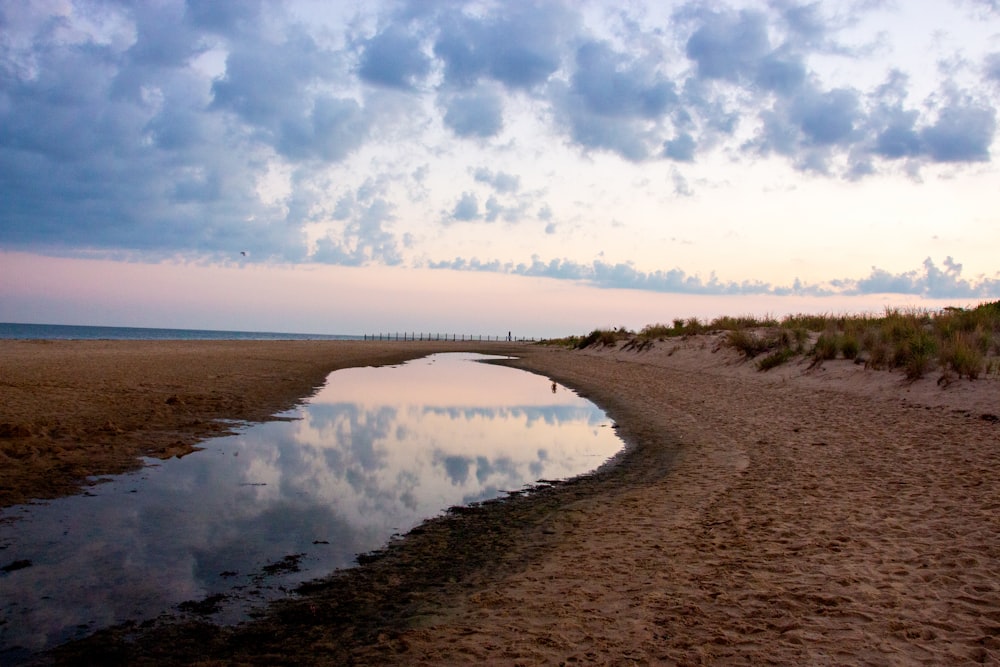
x,y
71,409
823,516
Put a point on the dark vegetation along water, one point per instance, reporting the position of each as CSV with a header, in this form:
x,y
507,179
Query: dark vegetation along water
x,y
222,531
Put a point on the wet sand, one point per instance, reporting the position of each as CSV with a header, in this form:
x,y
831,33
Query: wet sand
x,y
77,408
825,516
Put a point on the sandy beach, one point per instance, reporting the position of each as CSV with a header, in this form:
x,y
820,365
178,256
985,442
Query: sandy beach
x,y
832,515
77,408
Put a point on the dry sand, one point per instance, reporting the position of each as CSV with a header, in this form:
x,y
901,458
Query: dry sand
x,y
825,516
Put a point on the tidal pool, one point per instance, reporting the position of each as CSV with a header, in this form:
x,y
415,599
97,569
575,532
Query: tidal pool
x,y
222,531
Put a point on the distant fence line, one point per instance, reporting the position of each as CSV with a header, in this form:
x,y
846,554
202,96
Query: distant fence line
x,y
456,338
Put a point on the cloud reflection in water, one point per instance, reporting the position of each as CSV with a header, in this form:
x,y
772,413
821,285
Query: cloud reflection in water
x,y
373,453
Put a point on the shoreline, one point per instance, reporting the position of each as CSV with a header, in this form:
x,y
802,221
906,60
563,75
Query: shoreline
x,y
78,409
835,515
411,578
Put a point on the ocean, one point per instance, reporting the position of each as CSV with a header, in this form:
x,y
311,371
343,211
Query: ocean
x,y
11,330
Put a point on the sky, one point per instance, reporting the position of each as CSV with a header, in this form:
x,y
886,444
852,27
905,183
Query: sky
x,y
480,167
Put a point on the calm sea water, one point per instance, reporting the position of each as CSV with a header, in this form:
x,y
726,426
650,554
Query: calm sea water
x,y
73,332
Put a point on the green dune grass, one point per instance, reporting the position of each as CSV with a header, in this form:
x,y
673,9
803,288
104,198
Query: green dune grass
x,y
962,342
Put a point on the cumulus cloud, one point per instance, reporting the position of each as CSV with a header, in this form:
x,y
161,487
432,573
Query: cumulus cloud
x,y
961,133
680,148
810,127
136,165
265,81
222,17
991,67
154,128
898,138
155,155
520,48
495,210
502,199
365,239
614,102
499,181
929,281
609,84
625,137
621,275
475,113
729,45
269,86
393,58
466,209
961,130
826,118
330,130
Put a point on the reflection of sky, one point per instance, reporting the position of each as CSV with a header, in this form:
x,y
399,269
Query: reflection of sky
x,y
375,452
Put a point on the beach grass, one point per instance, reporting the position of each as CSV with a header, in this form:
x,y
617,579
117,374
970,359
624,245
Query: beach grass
x,y
958,341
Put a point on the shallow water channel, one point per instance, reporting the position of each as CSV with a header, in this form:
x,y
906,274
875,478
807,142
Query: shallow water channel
x,y
224,530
